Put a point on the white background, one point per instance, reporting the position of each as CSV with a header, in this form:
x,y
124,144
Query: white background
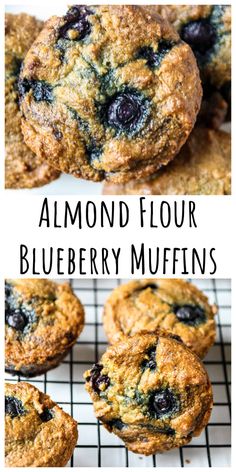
x,y
213,220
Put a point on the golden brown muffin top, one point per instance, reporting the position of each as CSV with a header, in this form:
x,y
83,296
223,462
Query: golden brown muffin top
x,y
112,99
43,319
37,432
171,304
152,391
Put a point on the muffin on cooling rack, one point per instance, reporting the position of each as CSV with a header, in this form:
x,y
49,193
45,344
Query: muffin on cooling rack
x,y
43,320
151,391
23,169
203,167
108,92
37,432
170,304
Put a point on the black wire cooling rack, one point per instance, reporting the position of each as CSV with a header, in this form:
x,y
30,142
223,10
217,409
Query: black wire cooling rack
x,y
97,447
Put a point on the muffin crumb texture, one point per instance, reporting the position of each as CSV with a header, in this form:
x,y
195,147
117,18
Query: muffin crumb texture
x,y
43,320
37,432
151,391
108,92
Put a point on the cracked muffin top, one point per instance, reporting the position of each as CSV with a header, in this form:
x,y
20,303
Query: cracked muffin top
x,y
207,29
42,321
37,432
108,92
170,304
23,169
203,167
151,391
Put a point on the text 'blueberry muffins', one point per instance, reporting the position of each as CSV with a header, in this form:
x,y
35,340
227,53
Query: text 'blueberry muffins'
x,y
108,92
151,391
23,169
38,433
203,167
43,319
207,29
170,304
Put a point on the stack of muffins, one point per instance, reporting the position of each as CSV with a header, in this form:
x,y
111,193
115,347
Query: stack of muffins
x,y
150,387
114,92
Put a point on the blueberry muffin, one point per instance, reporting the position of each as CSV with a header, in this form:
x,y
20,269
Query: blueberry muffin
x,y
108,92
37,432
207,29
23,169
203,167
42,322
151,391
170,304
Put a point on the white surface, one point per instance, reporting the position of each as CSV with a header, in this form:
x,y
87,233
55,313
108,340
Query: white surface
x,y
76,401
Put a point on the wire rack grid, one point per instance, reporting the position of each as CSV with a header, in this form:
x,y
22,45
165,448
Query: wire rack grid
x,y
97,447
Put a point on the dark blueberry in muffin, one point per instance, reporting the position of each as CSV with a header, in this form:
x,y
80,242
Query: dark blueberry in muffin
x,y
41,90
57,133
117,424
77,22
46,415
163,402
13,407
154,58
150,362
200,35
17,320
190,314
96,379
93,153
17,316
127,111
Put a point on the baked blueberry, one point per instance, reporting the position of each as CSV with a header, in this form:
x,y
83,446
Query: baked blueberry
x,y
116,424
200,35
17,315
127,112
37,432
17,320
13,407
152,57
98,73
42,322
46,415
152,410
41,91
76,26
99,382
170,304
149,361
190,314
163,403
